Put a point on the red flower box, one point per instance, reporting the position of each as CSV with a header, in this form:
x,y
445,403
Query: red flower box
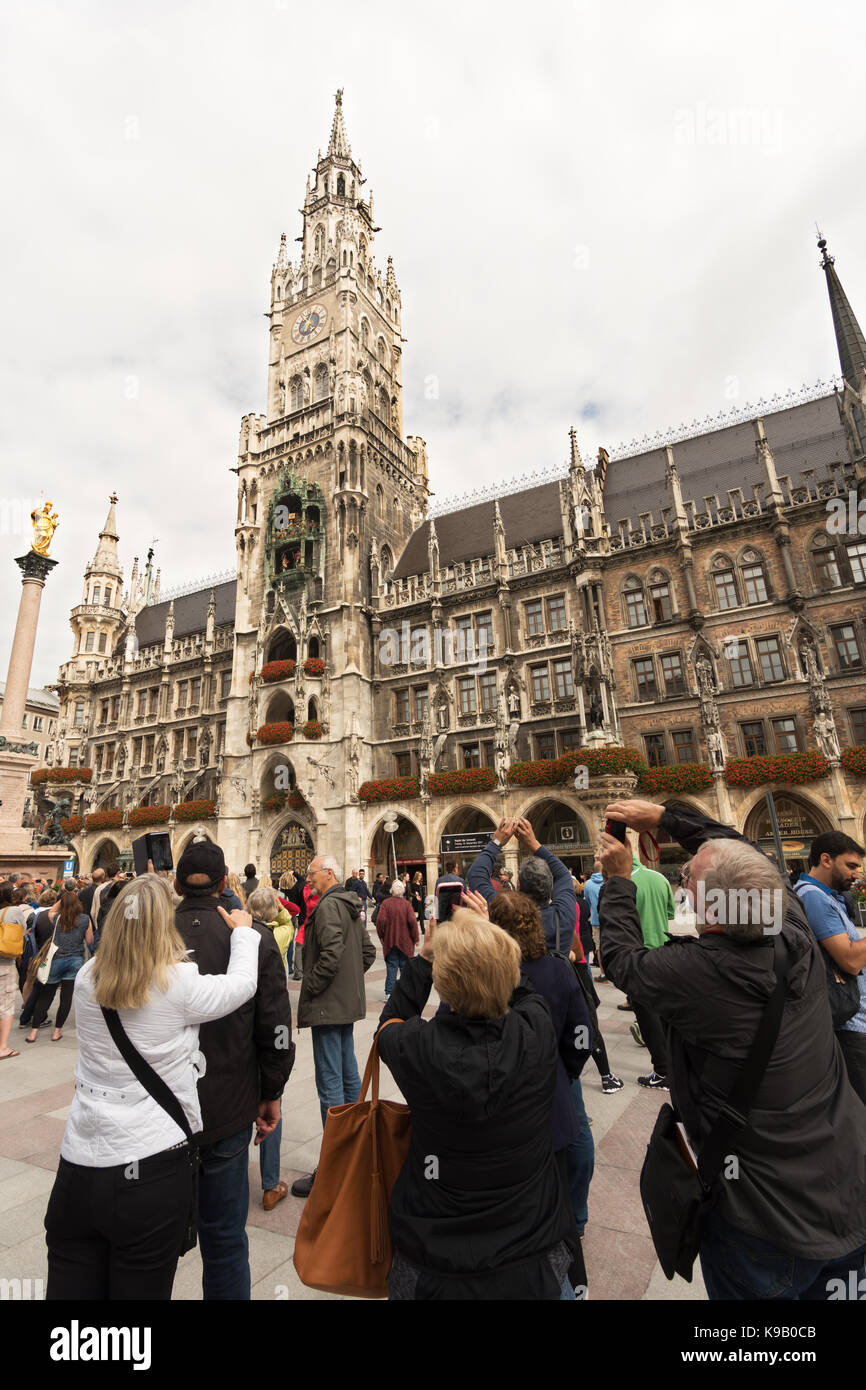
x,y
313,729
275,802
389,789
599,762
149,815
314,666
110,819
71,825
283,732
194,810
465,779
794,768
277,671
60,774
854,760
679,777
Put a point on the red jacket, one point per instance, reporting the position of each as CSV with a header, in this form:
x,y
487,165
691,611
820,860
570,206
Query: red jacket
x,y
397,925
310,898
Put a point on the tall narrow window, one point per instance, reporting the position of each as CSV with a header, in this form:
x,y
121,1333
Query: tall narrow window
x,y
726,589
635,607
661,601
754,583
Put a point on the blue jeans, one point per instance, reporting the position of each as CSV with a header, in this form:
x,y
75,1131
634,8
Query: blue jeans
x,y
736,1265
269,1158
395,964
64,968
337,1079
223,1201
580,1161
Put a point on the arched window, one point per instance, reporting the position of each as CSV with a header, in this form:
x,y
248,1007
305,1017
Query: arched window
x,y
365,333
94,598
635,606
380,501
661,600
724,582
317,277
388,307
313,647
753,577
341,186
825,562
379,297
362,254
381,350
277,292
296,393
312,708
345,258
319,242
321,382
383,409
386,565
331,267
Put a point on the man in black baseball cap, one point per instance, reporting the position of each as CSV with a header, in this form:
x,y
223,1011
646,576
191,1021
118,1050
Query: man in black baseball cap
x,y
201,870
249,1057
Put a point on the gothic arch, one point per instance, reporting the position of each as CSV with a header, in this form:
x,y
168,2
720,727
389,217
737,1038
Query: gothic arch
x,y
467,809
185,839
379,824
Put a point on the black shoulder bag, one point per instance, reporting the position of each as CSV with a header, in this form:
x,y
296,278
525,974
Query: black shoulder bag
x,y
678,1197
163,1095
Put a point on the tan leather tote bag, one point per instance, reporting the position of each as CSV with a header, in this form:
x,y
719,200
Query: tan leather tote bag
x,y
343,1243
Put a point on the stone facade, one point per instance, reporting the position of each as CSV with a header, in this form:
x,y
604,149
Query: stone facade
x,y
688,598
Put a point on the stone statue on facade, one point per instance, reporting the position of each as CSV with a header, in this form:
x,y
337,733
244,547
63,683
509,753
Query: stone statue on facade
x,y
353,759
825,733
595,714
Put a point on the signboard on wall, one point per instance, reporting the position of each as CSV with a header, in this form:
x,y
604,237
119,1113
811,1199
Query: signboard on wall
x,y
464,844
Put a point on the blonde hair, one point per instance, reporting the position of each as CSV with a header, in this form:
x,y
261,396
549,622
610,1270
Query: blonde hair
x,y
263,904
265,881
476,966
234,885
139,945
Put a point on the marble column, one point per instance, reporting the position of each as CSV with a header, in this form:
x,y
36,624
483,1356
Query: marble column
x,y
35,570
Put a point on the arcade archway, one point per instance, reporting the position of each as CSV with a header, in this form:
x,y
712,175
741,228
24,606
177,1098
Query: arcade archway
x,y
292,849
561,830
408,847
464,821
799,823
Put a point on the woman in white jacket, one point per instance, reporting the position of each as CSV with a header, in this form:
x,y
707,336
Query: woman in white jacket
x,y
121,1200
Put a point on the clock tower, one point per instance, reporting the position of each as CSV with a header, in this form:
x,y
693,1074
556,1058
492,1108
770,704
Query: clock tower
x,y
329,491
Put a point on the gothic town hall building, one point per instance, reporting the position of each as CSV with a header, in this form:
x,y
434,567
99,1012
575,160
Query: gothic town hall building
x,y
699,601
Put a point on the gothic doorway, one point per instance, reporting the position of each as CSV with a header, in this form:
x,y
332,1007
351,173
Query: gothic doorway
x,y
292,849
561,830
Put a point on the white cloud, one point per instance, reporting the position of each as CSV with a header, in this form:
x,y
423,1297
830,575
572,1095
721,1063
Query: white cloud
x,y
599,215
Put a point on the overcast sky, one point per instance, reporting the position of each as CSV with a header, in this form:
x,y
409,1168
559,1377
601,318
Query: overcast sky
x,y
599,214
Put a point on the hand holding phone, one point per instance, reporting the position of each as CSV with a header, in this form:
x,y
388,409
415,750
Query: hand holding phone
x,y
617,829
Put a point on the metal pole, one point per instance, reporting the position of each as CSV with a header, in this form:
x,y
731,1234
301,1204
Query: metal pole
x,y
777,838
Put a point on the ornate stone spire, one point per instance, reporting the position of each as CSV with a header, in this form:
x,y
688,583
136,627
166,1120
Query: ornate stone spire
x,y
105,561
850,342
338,144
575,460
282,254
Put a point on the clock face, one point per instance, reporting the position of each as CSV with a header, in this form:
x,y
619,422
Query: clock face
x,y
309,323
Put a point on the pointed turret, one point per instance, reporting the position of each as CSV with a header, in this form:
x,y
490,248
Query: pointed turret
x,y
849,336
338,145
105,561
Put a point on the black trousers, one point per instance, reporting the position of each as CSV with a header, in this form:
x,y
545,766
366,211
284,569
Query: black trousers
x,y
45,999
653,1032
115,1233
853,1047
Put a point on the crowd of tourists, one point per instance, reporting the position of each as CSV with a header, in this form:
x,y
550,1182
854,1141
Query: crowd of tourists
x,y
753,1016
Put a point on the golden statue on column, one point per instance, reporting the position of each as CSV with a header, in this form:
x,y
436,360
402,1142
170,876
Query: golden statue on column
x,y
45,523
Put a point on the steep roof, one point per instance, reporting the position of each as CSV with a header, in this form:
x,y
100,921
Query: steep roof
x,y
804,436
190,613
36,695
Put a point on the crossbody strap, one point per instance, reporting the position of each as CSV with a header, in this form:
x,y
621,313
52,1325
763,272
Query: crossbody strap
x,y
142,1071
734,1115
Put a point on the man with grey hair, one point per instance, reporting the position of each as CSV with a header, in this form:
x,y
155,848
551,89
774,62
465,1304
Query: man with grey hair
x,y
789,1215
337,953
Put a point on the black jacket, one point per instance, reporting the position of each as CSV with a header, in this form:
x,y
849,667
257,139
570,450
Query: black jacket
x,y
480,1221
801,1183
249,1052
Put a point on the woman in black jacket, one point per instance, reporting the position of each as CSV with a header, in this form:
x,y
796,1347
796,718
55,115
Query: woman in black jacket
x,y
479,1209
